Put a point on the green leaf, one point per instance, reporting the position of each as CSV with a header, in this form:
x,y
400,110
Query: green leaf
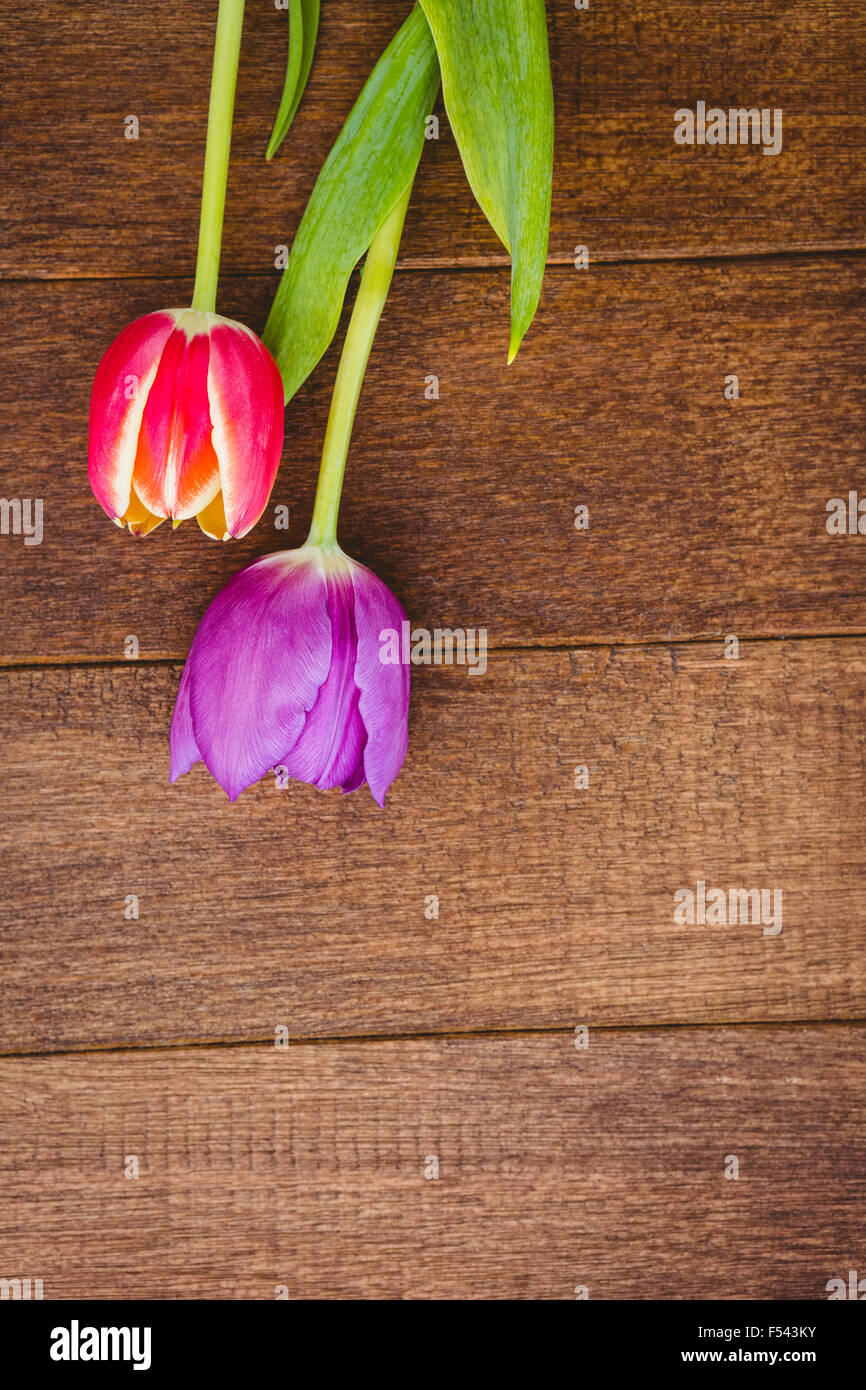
x,y
303,28
499,98
369,168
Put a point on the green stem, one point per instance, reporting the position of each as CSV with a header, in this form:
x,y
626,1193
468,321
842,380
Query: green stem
x,y
226,52
372,293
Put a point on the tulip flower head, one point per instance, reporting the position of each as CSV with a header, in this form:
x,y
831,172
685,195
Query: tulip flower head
x,y
186,420
286,671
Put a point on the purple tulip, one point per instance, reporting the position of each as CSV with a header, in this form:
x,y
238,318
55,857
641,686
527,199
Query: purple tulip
x,y
286,670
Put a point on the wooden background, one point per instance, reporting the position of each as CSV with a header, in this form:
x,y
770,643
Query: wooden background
x,y
448,1045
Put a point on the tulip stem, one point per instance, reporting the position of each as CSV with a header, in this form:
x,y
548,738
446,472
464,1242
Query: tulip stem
x,y
372,293
227,47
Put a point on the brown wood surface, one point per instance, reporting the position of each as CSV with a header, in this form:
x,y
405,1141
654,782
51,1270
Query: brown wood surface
x,y
554,903
82,200
707,516
558,1168
414,1038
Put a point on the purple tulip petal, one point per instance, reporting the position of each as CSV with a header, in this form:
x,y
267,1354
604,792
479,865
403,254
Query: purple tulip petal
x,y
184,749
357,779
261,653
285,670
330,747
384,689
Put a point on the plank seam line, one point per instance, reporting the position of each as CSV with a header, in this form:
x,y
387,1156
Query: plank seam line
x,y
345,1039
665,643
424,267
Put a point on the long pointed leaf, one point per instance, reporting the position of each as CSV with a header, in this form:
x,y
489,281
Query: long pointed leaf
x,y
498,95
369,168
303,28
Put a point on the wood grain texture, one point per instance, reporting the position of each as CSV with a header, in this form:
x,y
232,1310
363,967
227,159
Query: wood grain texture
x,y
556,905
707,516
305,1167
81,200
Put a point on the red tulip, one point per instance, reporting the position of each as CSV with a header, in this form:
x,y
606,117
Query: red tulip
x,y
186,420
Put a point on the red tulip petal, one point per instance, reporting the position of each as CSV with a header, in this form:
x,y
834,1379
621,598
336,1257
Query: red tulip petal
x,y
139,520
120,391
248,413
176,471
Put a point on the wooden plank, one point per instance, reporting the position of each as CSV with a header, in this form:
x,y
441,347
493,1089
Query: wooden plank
x,y
707,516
305,1168
556,904
82,200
